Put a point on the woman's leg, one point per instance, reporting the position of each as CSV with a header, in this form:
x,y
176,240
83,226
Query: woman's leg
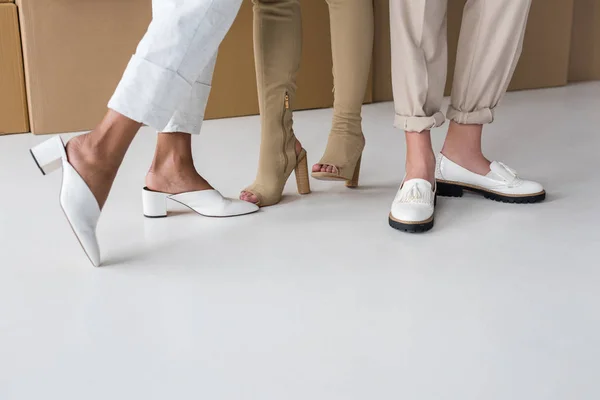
x,y
277,53
489,48
180,42
172,170
490,44
419,63
352,48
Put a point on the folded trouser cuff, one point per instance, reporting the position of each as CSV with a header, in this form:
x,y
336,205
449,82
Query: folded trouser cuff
x,y
419,124
189,116
142,82
478,117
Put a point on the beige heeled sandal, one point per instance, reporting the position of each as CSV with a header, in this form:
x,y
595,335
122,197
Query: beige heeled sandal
x,y
271,195
277,54
345,154
278,158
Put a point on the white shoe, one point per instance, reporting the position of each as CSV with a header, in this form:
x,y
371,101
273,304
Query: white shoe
x,y
501,184
413,207
209,203
76,199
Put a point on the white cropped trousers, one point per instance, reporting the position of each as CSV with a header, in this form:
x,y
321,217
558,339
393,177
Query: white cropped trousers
x,y
167,82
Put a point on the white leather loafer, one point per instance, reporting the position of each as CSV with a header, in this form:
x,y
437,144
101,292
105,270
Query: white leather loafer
x,y
76,198
501,184
414,206
209,203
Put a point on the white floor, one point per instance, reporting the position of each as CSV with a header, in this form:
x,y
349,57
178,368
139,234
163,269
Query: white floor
x,y
316,298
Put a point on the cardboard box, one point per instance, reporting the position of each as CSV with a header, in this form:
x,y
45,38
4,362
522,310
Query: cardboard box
x,y
585,41
545,58
13,105
75,54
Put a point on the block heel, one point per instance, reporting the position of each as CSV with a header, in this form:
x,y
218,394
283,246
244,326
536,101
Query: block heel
x,y
301,172
48,155
76,199
154,204
353,183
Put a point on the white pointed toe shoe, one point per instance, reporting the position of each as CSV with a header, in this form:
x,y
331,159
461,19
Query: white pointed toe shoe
x,y
501,184
414,206
76,198
209,203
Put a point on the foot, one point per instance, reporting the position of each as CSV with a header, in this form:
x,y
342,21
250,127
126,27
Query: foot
x,y
175,177
421,166
413,207
474,162
501,183
340,146
251,198
98,170
463,146
325,168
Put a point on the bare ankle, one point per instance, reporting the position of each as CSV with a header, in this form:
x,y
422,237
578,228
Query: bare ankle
x,y
463,146
175,175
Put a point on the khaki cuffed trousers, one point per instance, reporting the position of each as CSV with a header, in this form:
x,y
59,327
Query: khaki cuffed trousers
x,y
490,44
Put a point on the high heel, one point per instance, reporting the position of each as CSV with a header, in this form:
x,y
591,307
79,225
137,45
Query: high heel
x,y
345,153
277,55
209,203
301,171
353,183
271,197
76,199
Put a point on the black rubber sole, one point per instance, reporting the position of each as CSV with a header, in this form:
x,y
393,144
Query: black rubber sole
x,y
454,190
411,228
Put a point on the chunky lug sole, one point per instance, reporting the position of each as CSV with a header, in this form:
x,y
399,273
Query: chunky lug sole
x,y
411,227
330,176
455,189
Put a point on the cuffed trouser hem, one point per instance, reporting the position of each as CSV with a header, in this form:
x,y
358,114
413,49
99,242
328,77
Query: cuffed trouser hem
x,y
190,129
419,124
478,117
189,117
144,82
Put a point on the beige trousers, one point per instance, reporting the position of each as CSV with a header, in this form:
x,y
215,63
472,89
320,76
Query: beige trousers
x,y
490,44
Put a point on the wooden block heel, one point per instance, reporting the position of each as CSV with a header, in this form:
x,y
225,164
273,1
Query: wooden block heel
x,y
302,180
353,183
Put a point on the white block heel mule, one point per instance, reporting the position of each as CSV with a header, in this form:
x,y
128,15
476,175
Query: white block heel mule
x,y
209,203
76,199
